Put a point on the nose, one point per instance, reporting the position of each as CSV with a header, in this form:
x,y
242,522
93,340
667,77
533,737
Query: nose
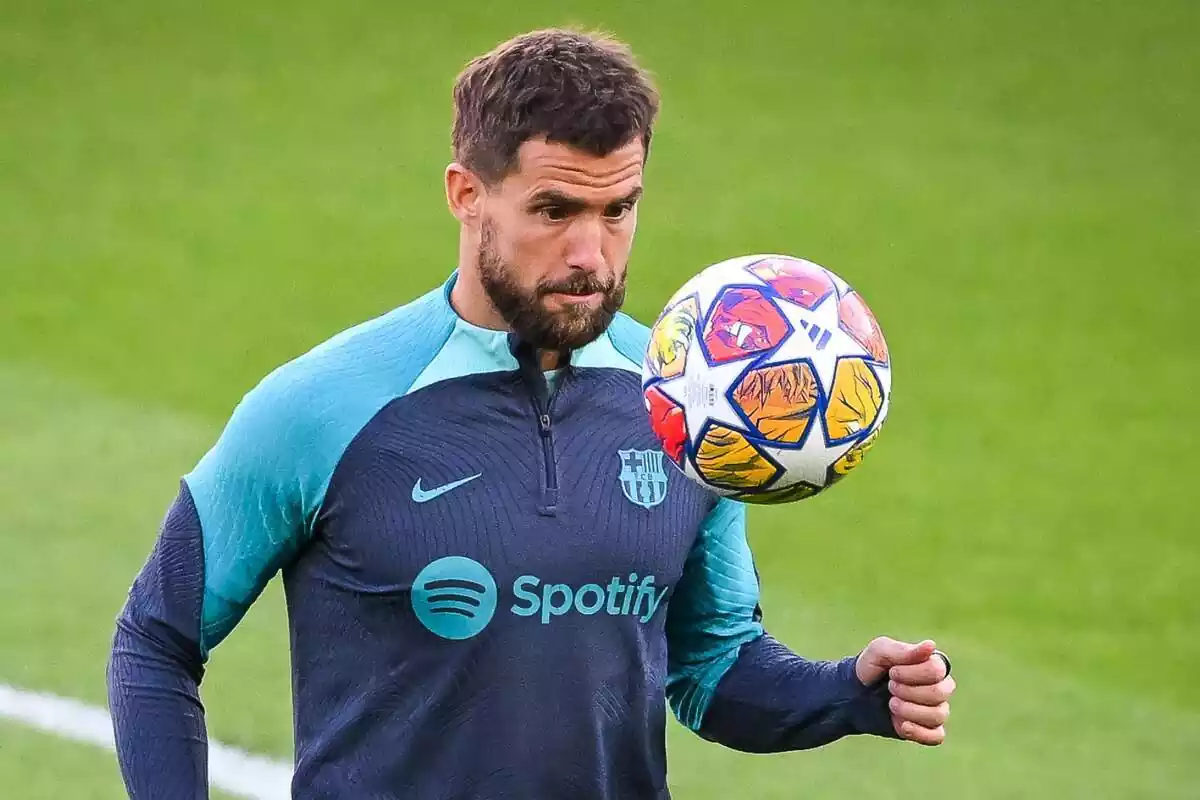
x,y
585,246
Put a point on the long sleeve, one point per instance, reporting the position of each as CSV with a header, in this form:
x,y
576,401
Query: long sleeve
x,y
155,668
732,683
772,700
241,514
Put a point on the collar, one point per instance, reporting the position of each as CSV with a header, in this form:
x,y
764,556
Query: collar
x,y
522,351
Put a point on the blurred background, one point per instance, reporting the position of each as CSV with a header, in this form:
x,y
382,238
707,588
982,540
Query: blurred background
x,y
193,193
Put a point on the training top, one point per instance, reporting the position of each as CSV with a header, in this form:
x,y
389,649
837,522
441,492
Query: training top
x,y
495,587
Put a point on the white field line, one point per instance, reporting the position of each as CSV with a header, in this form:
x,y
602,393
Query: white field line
x,y
229,769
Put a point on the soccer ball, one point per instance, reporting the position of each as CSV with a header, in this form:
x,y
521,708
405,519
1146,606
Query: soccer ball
x,y
767,378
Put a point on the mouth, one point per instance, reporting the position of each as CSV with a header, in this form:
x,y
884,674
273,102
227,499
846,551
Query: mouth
x,y
577,298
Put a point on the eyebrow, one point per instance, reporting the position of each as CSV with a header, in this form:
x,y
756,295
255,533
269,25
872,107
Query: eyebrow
x,y
555,197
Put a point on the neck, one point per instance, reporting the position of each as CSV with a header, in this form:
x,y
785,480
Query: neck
x,y
470,301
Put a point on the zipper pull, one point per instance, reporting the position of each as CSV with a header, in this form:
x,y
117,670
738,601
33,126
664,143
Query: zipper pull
x,y
544,424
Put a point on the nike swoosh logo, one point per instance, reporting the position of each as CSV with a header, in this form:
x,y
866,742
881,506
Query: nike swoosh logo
x,y
420,495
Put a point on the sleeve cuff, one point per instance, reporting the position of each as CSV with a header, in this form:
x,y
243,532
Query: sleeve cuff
x,y
868,711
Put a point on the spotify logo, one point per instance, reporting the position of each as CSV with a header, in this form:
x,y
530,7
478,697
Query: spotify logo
x,y
454,597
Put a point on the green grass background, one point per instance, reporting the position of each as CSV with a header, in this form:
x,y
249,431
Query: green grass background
x,y
192,193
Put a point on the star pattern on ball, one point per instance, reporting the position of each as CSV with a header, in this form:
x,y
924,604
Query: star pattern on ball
x,y
701,390
817,338
811,462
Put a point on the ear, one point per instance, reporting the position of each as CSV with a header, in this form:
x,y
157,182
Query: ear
x,y
464,193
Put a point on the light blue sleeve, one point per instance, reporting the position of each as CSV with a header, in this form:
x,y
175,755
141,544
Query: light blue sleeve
x,y
256,493
713,612
259,490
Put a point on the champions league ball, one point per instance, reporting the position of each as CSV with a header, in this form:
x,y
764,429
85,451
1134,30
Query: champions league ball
x,y
767,378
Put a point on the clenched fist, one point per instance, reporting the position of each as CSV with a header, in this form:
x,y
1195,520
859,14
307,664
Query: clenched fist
x,y
920,684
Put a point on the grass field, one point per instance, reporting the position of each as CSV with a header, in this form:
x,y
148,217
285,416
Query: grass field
x,y
193,193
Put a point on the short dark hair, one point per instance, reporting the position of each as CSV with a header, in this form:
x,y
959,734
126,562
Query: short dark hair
x,y
585,90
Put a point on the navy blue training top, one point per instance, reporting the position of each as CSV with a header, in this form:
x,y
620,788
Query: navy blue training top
x,y
493,588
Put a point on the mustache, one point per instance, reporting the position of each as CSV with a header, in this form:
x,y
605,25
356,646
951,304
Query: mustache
x,y
579,283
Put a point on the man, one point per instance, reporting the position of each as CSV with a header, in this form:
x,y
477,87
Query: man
x,y
477,608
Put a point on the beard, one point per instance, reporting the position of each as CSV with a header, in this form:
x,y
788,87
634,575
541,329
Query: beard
x,y
525,311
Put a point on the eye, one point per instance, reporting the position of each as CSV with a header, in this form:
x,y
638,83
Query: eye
x,y
618,210
554,213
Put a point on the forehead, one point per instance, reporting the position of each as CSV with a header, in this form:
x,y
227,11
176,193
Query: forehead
x,y
543,165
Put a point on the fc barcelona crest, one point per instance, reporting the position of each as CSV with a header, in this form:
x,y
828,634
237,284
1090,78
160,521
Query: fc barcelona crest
x,y
643,478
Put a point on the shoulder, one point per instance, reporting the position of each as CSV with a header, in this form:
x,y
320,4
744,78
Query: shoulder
x,y
623,346
258,491
367,365
291,429
629,337
379,357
